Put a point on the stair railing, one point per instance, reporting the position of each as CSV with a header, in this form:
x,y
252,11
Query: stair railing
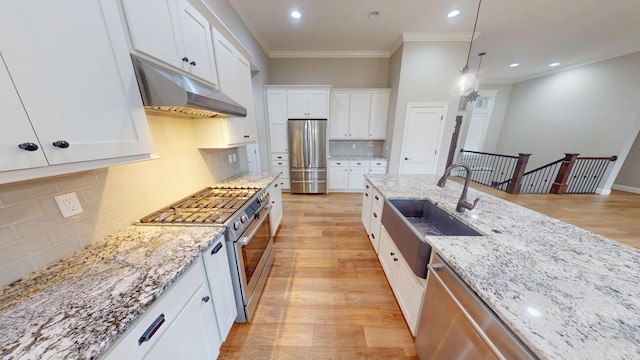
x,y
488,169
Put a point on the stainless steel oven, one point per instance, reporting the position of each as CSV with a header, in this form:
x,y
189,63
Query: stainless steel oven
x,y
253,255
245,214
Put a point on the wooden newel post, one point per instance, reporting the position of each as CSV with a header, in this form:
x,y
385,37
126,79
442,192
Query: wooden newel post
x,y
518,172
560,184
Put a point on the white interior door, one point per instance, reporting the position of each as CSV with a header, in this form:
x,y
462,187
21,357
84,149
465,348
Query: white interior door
x,y
421,140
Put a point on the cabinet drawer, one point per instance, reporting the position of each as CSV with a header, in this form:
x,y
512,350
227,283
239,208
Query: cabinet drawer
x,y
377,198
280,156
338,163
280,163
168,306
353,164
378,163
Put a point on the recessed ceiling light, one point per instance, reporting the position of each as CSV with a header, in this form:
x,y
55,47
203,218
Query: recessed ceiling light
x,y
296,14
373,14
514,65
554,64
453,13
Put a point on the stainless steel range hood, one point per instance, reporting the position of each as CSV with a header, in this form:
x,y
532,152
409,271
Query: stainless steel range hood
x,y
165,90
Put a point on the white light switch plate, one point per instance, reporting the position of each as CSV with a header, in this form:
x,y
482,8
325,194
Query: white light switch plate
x,y
69,204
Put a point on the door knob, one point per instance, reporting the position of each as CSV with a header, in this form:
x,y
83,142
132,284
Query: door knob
x,y
28,146
61,144
406,158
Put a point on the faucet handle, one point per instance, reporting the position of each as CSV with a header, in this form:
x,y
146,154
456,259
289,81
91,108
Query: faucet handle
x,y
470,206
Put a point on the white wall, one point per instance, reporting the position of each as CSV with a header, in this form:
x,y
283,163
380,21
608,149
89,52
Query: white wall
x,y
629,177
427,70
592,110
339,73
497,116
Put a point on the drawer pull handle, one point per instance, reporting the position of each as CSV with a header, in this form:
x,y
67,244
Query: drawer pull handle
x,y
216,248
377,198
61,144
151,330
28,146
206,299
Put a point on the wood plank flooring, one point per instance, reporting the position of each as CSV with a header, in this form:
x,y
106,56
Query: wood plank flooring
x,y
327,296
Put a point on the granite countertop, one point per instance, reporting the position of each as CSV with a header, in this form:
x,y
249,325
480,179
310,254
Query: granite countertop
x,y
256,180
357,157
566,292
77,307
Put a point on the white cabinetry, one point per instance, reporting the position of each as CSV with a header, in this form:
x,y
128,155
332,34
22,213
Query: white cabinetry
x,y
234,74
280,164
173,32
275,192
308,103
377,167
216,265
69,64
367,195
407,287
347,175
372,204
276,100
181,324
358,114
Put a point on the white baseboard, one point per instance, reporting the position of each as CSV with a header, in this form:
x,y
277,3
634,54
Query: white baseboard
x,y
630,189
603,191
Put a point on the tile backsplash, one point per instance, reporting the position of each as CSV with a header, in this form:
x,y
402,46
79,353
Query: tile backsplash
x,y
33,233
356,147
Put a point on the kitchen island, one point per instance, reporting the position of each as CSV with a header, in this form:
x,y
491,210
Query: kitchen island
x,y
78,307
566,292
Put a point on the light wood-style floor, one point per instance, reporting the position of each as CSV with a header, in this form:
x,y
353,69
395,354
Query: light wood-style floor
x,y
327,296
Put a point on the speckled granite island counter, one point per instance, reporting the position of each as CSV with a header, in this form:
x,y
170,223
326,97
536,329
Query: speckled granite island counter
x,y
566,292
254,180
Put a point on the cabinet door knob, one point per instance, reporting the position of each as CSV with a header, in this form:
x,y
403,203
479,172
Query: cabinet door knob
x,y
192,63
406,158
28,146
392,254
61,144
395,259
185,59
206,299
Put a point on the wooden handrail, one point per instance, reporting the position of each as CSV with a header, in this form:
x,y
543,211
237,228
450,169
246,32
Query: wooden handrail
x,y
610,158
484,153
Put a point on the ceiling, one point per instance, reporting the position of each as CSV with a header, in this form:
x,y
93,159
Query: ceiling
x,y
533,33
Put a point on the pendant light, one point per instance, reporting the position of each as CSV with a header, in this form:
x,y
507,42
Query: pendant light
x,y
466,82
473,95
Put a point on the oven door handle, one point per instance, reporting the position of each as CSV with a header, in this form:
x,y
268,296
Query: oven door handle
x,y
264,214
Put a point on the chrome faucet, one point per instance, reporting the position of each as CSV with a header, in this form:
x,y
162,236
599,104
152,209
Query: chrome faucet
x,y
462,203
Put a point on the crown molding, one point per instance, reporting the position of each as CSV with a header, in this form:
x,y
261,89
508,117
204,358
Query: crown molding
x,y
348,54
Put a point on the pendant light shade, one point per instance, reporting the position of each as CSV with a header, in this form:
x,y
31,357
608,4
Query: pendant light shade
x,y
465,83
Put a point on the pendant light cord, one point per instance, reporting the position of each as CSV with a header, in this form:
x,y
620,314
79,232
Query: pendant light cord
x,y
473,34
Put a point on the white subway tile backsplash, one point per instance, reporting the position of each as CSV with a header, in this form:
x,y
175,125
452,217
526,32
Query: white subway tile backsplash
x,y
56,252
112,198
13,271
6,236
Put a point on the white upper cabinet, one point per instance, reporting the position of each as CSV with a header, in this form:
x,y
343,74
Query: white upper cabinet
x,y
234,75
358,114
17,130
70,66
173,32
307,103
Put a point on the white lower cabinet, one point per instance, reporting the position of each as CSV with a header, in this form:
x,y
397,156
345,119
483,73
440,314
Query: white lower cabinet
x,y
280,164
367,195
372,204
347,175
275,192
179,325
216,264
407,287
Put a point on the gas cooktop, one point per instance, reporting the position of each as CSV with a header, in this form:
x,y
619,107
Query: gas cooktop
x,y
210,206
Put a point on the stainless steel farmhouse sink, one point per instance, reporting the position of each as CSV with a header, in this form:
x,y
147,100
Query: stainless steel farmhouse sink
x,y
408,221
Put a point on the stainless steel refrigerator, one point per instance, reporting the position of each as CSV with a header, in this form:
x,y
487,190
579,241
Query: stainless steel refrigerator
x,y
308,155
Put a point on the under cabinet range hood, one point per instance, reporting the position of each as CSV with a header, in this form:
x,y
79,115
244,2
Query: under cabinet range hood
x,y
165,90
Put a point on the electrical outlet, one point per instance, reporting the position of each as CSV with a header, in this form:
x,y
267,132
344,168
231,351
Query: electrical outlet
x,y
69,204
230,159
234,157
354,146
